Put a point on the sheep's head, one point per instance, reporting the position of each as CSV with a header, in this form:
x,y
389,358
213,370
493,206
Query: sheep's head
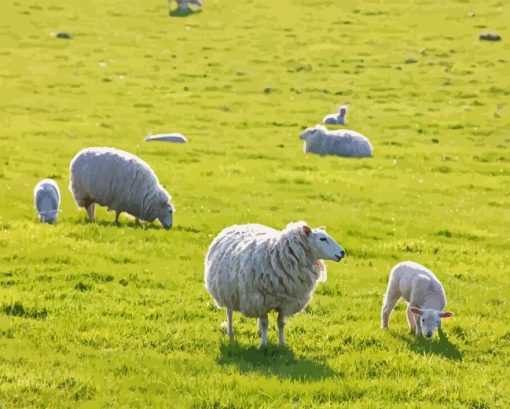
x,y
430,320
323,245
309,132
166,214
48,216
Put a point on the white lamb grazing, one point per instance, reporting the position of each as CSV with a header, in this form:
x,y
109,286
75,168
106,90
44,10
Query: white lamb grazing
x,y
255,269
336,119
341,142
47,200
122,181
425,296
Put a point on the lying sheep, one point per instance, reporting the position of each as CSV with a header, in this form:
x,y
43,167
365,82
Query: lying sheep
x,y
184,4
336,119
255,269
122,181
170,137
343,142
47,200
425,296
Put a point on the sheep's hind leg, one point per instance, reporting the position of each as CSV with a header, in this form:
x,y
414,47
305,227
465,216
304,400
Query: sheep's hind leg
x,y
117,214
230,324
91,212
263,324
281,326
390,300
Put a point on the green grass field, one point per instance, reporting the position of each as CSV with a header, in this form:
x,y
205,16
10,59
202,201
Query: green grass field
x,y
99,315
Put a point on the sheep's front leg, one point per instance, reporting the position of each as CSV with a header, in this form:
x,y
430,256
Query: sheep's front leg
x,y
281,326
263,324
230,324
417,320
410,318
91,211
117,214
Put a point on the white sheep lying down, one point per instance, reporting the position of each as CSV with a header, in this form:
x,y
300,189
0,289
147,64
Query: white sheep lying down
x,y
255,269
122,181
47,200
341,142
424,294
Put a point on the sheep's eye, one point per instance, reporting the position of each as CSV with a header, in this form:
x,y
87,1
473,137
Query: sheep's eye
x,y
323,239
422,320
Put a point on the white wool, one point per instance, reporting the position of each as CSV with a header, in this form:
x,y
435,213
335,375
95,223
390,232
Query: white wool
x,y
119,180
255,269
47,200
170,137
343,142
417,285
336,119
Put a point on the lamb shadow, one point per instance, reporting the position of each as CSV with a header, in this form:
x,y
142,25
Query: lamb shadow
x,y
183,13
126,224
437,346
272,361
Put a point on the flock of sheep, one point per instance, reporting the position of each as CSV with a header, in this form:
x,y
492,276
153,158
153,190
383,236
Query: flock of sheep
x,y
252,269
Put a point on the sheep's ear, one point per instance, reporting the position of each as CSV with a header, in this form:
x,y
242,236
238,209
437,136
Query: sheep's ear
x,y
307,230
446,314
416,311
323,228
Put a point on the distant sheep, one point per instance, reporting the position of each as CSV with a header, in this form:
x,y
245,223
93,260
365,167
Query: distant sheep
x,y
168,137
184,4
424,293
336,119
343,142
47,200
255,269
122,181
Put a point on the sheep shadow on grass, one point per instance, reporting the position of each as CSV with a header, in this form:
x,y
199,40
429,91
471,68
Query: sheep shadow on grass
x,y
440,346
272,361
183,13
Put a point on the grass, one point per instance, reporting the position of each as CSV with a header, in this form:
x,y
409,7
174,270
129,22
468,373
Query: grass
x,y
100,315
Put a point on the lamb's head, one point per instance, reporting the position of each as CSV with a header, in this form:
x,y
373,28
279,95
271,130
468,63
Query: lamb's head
x,y
323,246
48,216
311,132
430,320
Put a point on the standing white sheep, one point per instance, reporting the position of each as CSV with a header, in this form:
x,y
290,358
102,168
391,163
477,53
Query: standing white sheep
x,y
255,269
47,200
122,181
341,142
424,293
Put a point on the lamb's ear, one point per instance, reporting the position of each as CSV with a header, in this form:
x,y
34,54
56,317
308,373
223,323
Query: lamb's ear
x,y
446,314
416,311
323,228
307,230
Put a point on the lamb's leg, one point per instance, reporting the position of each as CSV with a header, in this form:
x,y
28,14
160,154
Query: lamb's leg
x,y
117,214
390,300
91,211
230,324
417,320
281,326
410,318
263,324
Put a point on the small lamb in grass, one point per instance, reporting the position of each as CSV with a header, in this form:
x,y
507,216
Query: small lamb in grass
x,y
47,200
424,294
336,119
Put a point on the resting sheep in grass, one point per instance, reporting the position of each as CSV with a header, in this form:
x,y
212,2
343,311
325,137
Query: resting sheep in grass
x,y
425,296
47,200
122,181
184,4
255,269
336,119
343,142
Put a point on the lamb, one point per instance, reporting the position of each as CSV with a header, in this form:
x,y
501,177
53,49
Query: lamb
x,y
47,200
184,4
336,119
343,142
255,269
424,294
122,181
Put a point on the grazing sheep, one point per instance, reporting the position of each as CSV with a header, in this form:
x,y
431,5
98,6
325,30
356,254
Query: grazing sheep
x,y
343,142
122,181
167,137
425,296
47,200
255,269
184,4
336,119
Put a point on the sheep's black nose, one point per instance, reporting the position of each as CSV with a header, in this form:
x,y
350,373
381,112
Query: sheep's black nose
x,y
342,254
429,334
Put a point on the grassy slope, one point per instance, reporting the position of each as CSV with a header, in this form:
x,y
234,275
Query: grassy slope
x,y
100,315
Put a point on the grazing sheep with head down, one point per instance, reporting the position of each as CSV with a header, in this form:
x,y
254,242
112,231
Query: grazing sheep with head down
x,y
424,293
255,269
336,119
47,200
342,142
122,181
